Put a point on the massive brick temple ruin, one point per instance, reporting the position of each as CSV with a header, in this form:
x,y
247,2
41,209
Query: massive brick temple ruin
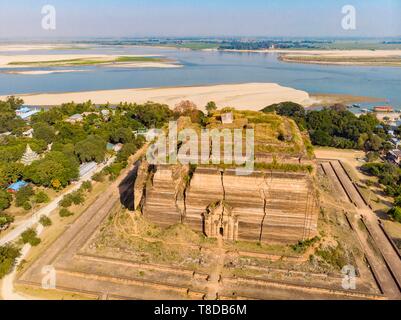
x,y
276,203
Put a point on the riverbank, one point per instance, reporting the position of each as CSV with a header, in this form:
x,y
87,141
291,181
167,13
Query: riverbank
x,y
248,96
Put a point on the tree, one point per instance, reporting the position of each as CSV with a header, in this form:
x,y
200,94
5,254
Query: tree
x,y
122,135
54,166
30,236
10,172
23,196
44,131
321,138
41,197
189,109
211,107
7,114
8,257
87,185
5,220
93,148
65,213
50,117
5,200
75,197
150,114
45,221
70,133
374,143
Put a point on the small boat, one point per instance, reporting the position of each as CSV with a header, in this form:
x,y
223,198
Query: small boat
x,y
356,105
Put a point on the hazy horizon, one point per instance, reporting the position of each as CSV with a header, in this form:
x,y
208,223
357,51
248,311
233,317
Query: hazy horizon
x,y
21,19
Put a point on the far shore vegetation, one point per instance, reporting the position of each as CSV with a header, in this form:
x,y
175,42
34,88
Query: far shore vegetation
x,y
394,61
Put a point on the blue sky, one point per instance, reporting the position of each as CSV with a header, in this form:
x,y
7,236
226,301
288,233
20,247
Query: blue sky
x,y
136,18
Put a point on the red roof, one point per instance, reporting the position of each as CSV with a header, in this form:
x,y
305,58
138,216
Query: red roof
x,y
384,108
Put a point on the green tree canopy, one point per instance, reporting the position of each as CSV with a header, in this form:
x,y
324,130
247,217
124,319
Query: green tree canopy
x,y
55,166
5,200
93,148
44,131
8,256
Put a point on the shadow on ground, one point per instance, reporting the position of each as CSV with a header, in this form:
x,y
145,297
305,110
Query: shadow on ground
x,y
126,188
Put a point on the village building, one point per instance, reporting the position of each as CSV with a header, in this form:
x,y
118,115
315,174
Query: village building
x,y
86,168
75,118
114,147
227,118
383,109
25,113
105,114
28,133
16,186
394,156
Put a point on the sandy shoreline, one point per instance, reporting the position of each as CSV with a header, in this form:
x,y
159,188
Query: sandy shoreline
x,y
248,96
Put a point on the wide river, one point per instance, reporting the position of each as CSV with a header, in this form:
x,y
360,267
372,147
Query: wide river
x,y
200,68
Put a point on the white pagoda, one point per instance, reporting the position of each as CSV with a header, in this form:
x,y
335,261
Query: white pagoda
x,y
29,156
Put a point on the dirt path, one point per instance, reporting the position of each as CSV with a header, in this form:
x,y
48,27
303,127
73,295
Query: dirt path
x,y
215,277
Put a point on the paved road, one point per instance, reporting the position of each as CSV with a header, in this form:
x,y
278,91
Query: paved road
x,y
48,209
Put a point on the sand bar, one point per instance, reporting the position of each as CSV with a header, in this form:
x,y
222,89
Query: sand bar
x,y
335,53
40,72
249,96
336,57
54,60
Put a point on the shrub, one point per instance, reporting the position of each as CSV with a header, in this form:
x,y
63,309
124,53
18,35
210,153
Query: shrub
x,y
99,176
5,219
66,201
87,185
8,256
75,197
41,197
23,195
45,221
30,236
395,213
303,245
65,213
333,256
397,201
27,206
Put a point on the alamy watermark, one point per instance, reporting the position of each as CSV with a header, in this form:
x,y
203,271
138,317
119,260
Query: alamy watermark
x,y
49,277
49,17
349,277
349,20
190,147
